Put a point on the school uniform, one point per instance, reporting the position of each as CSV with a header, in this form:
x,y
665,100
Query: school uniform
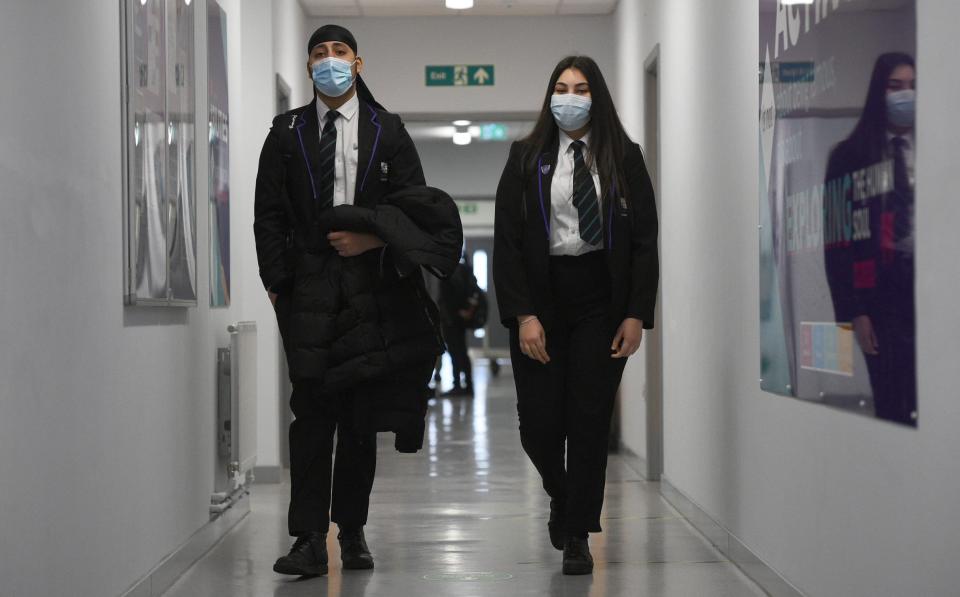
x,y
360,333
550,260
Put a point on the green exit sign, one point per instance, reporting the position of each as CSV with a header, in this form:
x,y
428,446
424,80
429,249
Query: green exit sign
x,y
460,75
493,132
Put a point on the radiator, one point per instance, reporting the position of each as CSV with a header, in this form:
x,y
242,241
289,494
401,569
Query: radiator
x,y
236,414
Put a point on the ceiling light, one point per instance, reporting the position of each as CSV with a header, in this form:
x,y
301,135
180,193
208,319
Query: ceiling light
x,y
461,123
459,4
791,2
462,138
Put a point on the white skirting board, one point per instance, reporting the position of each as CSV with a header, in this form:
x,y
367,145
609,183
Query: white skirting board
x,y
162,577
726,542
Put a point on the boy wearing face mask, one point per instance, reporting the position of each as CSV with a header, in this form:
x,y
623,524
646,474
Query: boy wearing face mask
x,y
343,224
870,260
576,270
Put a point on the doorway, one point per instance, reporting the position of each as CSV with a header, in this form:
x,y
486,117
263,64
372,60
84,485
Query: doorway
x,y
654,341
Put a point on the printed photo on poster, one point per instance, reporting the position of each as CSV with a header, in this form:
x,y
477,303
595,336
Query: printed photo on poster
x,y
219,155
838,86
181,170
147,161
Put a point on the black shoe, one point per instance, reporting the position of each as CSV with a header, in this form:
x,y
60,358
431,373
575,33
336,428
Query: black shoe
x,y
354,551
307,557
453,392
555,526
576,556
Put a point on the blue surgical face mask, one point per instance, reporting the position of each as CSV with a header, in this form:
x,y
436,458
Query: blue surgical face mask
x,y
901,108
332,76
572,112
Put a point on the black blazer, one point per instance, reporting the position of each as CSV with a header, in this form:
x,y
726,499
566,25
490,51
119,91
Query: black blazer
x,y
521,253
286,210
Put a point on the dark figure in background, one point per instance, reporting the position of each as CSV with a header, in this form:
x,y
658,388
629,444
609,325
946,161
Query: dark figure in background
x,y
869,236
576,271
343,225
458,303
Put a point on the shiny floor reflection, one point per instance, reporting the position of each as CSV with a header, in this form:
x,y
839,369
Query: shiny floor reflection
x,y
467,517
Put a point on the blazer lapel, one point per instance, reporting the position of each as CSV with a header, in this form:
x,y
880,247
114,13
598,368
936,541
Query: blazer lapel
x,y
308,132
546,164
368,133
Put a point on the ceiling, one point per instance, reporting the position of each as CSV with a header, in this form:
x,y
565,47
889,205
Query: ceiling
x,y
407,8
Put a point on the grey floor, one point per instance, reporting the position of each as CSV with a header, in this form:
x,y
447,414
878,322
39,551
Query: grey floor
x,y
467,517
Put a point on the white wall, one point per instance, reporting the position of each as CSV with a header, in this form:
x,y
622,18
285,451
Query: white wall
x,y
523,50
839,504
464,171
264,39
635,24
107,431
290,49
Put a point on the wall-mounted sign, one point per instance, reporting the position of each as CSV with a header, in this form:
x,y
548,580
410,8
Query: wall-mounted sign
x,y
461,75
476,213
493,132
790,72
837,161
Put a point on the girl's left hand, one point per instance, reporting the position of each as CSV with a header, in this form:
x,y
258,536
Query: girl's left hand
x,y
351,244
628,338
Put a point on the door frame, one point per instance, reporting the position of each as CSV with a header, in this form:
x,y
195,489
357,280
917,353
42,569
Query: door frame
x,y
654,350
282,98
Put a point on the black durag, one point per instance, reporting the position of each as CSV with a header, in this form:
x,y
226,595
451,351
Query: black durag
x,y
343,35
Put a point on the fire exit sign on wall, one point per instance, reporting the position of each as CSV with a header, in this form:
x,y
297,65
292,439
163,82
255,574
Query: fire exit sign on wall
x,y
460,75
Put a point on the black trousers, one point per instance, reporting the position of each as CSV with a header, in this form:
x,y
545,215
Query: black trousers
x,y
893,371
312,463
565,406
456,339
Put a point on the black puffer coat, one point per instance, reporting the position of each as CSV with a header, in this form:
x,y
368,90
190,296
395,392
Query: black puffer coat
x,y
348,321
360,328
365,325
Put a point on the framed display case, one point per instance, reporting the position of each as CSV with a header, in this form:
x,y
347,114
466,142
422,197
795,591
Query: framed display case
x,y
837,155
159,142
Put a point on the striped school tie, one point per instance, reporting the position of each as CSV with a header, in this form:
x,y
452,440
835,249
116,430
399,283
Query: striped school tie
x,y
585,198
328,155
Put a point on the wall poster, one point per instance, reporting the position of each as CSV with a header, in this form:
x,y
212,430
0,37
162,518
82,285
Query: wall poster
x,y
159,142
837,158
219,156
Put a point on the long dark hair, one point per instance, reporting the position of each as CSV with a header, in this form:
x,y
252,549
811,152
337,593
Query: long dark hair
x,y
608,139
869,136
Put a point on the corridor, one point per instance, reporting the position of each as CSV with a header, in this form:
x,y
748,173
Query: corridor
x,y
466,517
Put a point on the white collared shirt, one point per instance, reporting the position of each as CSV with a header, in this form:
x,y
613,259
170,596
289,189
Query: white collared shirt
x,y
345,164
564,217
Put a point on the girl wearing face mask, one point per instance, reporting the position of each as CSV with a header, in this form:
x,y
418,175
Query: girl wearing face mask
x,y
870,272
576,272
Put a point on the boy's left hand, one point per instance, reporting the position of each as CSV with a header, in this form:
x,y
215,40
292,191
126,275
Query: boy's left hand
x,y
351,244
